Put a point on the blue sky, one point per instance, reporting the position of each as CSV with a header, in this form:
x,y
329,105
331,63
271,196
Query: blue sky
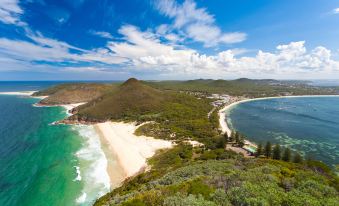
x,y
168,39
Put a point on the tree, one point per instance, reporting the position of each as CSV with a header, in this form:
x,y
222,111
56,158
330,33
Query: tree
x,y
237,137
268,150
222,142
287,155
226,140
297,158
241,141
277,152
232,137
226,136
259,150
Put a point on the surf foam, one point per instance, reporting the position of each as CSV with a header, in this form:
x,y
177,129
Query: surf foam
x,y
93,165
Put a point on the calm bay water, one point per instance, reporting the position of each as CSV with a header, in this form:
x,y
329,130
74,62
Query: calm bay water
x,y
306,124
45,164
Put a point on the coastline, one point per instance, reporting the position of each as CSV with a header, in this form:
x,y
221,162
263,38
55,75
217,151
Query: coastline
x,y
19,93
225,128
131,151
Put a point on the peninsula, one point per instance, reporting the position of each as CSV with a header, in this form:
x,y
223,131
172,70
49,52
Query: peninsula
x,y
171,137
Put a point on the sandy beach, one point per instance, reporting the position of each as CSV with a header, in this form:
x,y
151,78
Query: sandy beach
x,y
130,150
20,93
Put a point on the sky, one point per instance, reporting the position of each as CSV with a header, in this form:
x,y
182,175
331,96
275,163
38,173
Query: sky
x,y
168,39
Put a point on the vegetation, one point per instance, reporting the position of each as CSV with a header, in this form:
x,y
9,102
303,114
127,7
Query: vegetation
x,y
73,93
245,87
268,150
276,152
189,179
210,174
172,115
287,155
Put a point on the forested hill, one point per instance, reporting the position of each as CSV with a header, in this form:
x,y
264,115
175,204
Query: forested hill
x,y
128,100
245,87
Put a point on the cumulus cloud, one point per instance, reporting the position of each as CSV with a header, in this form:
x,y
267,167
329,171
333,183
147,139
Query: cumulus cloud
x,y
197,23
10,12
143,51
147,52
336,11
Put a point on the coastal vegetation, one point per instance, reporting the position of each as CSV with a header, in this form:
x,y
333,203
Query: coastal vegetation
x,y
186,176
73,93
209,174
245,87
171,115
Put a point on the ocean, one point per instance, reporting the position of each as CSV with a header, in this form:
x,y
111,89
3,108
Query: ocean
x,y
45,164
309,125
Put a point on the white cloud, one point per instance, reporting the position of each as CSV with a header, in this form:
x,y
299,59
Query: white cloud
x,y
45,49
102,34
197,23
143,52
10,12
336,11
146,52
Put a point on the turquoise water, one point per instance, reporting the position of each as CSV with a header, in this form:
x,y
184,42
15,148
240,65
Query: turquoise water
x,y
306,124
45,164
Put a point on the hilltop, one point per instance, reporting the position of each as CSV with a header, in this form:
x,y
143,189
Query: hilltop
x,y
169,112
131,97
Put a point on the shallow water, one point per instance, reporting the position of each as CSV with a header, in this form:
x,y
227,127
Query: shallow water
x,y
44,164
306,124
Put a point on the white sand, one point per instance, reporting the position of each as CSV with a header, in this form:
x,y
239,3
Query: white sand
x,y
131,151
22,93
222,113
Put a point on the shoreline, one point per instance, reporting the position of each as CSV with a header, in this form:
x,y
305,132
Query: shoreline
x,y
131,151
19,93
224,126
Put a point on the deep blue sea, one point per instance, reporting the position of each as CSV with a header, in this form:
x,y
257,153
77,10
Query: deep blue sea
x,y
45,164
306,124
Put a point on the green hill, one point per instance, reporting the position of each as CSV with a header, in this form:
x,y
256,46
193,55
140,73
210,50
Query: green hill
x,y
245,87
171,112
129,99
73,93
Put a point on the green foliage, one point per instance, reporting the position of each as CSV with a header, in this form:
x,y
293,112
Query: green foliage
x,y
297,158
191,200
259,150
232,137
220,198
74,93
244,87
219,154
268,150
276,152
234,182
287,155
